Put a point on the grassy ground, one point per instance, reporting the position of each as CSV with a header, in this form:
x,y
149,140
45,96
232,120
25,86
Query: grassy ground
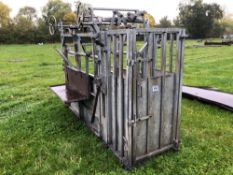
x,y
38,135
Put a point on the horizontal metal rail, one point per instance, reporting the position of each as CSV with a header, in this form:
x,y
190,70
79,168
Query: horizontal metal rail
x,y
158,31
112,9
82,54
156,152
84,35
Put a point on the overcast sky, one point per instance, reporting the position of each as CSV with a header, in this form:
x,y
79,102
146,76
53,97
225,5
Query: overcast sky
x,y
157,8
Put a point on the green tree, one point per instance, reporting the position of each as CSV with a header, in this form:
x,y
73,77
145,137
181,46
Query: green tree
x,y
23,24
4,14
165,22
28,12
199,18
150,19
24,19
56,8
177,22
227,23
70,18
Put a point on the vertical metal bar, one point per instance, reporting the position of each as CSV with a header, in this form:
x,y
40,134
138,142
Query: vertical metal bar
x,y
147,113
108,88
145,56
95,61
104,76
77,48
134,93
177,88
151,55
98,74
96,64
150,72
130,88
65,52
171,52
154,61
128,111
114,94
163,79
120,94
180,63
87,65
146,75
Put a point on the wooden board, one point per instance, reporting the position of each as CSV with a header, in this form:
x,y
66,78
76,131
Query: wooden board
x,y
220,99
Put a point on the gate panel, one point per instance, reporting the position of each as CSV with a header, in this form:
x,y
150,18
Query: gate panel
x,y
154,110
77,84
117,99
168,104
142,128
156,87
138,109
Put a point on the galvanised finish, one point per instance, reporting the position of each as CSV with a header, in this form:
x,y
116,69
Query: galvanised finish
x,y
132,100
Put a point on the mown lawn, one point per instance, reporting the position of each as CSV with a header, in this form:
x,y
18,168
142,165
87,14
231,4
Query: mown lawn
x,y
38,135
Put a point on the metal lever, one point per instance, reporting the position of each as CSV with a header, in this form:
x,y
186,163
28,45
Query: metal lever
x,y
95,105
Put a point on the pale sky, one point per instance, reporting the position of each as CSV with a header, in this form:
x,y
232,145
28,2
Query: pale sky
x,y
158,9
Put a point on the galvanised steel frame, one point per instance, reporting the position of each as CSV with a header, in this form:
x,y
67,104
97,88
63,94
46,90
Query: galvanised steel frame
x,y
131,99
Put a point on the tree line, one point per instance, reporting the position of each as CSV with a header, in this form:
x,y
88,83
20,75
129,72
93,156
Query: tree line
x,y
28,27
201,20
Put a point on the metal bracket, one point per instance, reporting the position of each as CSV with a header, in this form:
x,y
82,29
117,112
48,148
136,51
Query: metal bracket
x,y
130,62
126,147
139,119
143,60
98,81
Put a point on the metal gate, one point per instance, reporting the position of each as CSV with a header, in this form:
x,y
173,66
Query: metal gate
x,y
132,100
124,82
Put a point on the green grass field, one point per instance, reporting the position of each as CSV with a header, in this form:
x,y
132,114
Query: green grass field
x,y
38,135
